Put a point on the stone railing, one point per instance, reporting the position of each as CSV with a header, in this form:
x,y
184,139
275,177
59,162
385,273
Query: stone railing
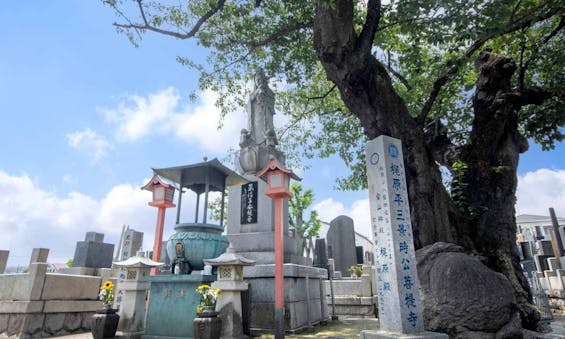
x,y
40,304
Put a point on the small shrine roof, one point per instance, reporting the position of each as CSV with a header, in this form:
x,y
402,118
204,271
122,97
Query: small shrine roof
x,y
195,176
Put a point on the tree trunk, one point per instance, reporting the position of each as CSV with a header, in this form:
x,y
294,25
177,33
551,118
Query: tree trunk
x,y
490,193
367,91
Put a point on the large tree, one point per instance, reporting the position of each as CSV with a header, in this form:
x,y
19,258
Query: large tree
x,y
353,70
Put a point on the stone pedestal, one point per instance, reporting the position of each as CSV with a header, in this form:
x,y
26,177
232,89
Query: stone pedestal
x,y
255,240
303,297
207,328
172,305
230,282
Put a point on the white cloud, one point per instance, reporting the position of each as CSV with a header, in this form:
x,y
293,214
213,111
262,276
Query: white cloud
x,y
329,209
32,217
162,113
540,190
89,142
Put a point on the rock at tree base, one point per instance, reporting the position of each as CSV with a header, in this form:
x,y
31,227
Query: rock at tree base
x,y
464,298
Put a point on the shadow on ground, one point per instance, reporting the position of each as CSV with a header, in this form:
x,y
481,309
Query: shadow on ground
x,y
342,328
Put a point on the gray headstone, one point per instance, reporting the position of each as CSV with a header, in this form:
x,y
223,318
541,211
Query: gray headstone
x,y
541,262
94,237
400,305
544,247
538,233
359,253
341,239
320,254
3,260
526,248
93,254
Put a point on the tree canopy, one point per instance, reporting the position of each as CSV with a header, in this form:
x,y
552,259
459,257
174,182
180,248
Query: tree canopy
x,y
428,48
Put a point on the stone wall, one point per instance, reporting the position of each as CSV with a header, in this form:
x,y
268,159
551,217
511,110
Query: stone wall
x,y
41,305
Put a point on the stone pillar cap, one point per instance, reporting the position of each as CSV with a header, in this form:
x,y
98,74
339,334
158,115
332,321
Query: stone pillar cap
x,y
230,258
138,261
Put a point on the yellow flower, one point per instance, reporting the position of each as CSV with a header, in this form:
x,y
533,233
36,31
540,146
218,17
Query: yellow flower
x,y
198,309
107,285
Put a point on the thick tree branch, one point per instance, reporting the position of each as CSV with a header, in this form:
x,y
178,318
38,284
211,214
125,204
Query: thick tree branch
x,y
146,26
399,77
443,79
280,33
365,40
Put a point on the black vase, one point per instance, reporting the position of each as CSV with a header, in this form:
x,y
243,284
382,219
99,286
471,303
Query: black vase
x,y
104,323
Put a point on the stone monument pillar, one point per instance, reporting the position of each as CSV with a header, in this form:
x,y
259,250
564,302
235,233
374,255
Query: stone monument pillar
x,y
230,282
400,307
251,213
134,287
250,227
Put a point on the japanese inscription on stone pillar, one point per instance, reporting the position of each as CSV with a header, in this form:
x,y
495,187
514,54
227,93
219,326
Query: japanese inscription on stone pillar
x,y
397,279
249,203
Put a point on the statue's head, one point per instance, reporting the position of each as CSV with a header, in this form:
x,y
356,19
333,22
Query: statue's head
x,y
260,78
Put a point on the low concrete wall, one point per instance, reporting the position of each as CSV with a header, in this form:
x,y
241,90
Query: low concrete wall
x,y
42,305
13,286
64,287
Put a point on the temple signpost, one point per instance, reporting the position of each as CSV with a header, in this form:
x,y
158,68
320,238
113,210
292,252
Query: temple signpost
x,y
400,307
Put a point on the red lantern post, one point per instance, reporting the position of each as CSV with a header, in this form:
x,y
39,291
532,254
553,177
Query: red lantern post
x,y
163,195
278,180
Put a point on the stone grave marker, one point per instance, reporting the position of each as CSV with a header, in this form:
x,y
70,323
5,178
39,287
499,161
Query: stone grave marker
x,y
93,252
359,255
545,248
320,254
341,240
400,307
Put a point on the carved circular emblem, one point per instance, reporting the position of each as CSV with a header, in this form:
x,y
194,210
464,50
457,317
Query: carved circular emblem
x,y
374,159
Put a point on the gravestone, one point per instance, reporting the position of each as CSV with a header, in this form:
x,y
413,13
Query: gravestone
x,y
93,252
400,308
526,248
341,240
359,254
3,260
538,233
320,254
544,247
541,262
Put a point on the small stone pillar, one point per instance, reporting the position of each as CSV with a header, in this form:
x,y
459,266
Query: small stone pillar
x,y
3,260
134,287
230,281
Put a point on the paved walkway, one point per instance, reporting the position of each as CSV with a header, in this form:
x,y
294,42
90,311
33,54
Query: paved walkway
x,y
345,328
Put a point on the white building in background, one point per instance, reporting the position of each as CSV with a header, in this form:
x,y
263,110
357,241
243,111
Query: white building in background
x,y
538,227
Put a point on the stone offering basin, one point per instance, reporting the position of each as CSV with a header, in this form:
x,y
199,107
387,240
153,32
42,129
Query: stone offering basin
x,y
200,241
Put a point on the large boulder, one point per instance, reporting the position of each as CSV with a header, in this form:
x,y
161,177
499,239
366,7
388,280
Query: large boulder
x,y
464,298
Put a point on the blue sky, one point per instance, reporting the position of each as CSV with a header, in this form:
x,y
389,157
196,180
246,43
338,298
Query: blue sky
x,y
85,115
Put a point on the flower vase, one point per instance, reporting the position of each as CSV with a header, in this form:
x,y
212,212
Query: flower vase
x,y
207,324
104,323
